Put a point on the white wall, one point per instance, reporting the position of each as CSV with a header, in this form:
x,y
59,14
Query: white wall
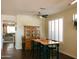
x,y
1,40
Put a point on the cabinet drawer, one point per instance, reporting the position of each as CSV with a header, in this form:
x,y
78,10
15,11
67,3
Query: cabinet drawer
x,y
28,44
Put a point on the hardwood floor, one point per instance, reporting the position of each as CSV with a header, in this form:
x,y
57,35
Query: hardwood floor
x,y
9,52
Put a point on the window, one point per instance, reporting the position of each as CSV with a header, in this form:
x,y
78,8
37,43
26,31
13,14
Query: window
x,y
55,31
10,29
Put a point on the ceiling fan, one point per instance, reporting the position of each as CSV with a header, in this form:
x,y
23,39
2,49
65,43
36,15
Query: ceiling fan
x,y
41,14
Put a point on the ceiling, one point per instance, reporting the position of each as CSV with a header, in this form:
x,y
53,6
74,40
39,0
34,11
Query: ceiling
x,y
32,6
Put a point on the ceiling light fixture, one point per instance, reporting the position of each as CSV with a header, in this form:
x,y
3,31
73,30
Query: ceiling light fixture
x,y
41,17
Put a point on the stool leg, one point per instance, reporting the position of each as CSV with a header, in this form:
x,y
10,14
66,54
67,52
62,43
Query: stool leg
x,y
58,52
46,52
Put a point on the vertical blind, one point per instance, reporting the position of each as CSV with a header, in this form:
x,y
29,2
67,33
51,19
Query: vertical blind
x,y
55,29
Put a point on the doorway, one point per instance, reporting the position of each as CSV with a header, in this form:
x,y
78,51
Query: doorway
x,y
9,33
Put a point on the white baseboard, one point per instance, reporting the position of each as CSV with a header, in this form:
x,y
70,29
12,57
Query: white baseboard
x,y
68,54
18,47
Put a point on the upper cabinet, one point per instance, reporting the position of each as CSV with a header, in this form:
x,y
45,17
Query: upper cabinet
x,y
32,32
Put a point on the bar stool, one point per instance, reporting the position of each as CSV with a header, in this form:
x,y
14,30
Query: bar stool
x,y
54,51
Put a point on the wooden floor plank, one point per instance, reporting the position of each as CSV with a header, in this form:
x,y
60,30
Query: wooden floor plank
x,y
12,53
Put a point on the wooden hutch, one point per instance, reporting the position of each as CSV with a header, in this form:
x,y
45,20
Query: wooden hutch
x,y
31,32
